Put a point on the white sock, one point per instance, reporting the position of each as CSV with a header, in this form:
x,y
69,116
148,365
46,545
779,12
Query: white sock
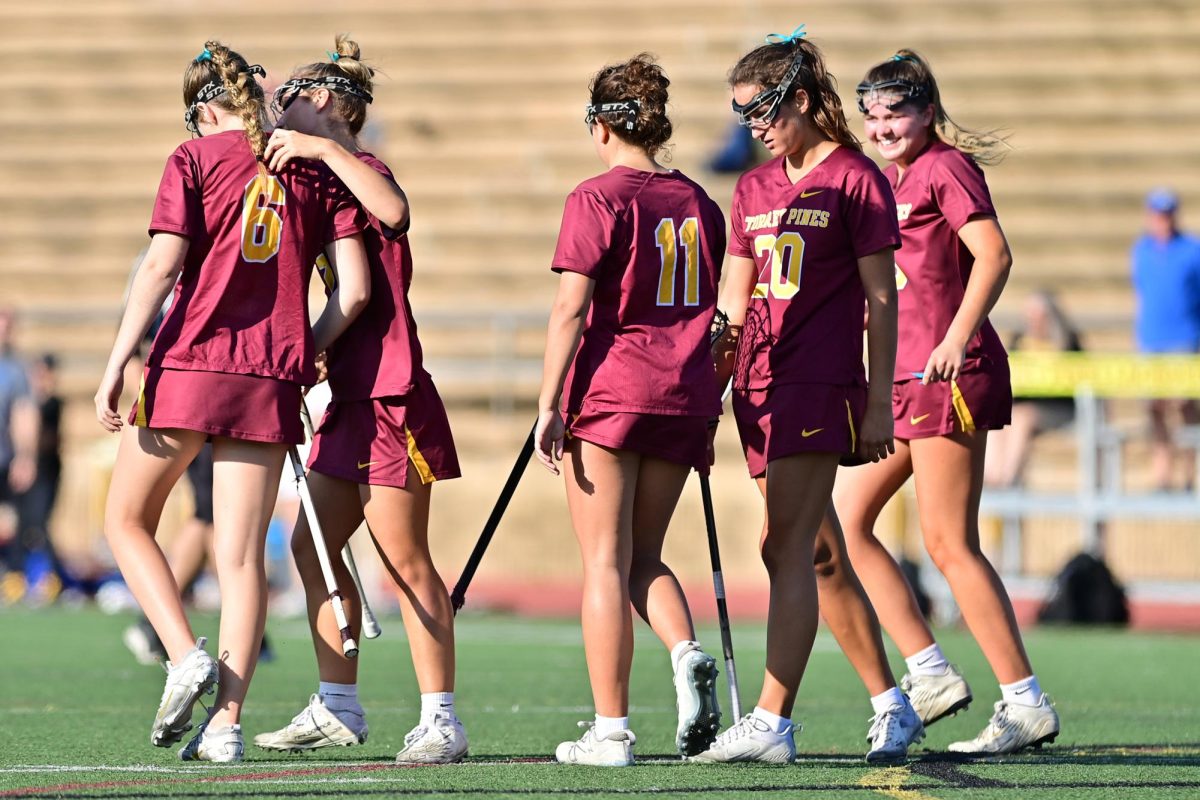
x,y
687,645
885,700
929,661
607,725
437,702
339,696
1025,692
779,725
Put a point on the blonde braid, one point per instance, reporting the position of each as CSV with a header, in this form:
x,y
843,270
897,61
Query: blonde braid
x,y
243,95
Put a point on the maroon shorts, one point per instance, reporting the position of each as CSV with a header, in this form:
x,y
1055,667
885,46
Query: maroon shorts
x,y
376,441
248,407
979,400
797,418
679,439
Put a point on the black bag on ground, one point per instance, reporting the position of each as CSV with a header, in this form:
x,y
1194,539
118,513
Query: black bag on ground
x,y
1085,592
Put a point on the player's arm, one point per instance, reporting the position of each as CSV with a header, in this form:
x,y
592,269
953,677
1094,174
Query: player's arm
x,y
568,316
25,429
993,261
877,271
154,279
733,301
377,193
348,260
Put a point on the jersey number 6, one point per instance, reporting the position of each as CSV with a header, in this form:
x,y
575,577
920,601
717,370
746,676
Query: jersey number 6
x,y
261,222
689,240
785,256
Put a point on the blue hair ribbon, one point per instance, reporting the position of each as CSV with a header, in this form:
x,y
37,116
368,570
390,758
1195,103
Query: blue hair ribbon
x,y
205,55
786,38
333,56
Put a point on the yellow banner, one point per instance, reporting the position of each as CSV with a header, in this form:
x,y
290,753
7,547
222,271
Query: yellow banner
x,y
1107,374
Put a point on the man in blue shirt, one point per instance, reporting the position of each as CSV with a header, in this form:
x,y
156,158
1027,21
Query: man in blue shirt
x,y
1166,279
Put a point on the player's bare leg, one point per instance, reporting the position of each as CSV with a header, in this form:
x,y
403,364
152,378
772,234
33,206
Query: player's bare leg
x,y
246,478
601,484
1008,448
149,463
339,510
949,510
859,496
797,494
399,522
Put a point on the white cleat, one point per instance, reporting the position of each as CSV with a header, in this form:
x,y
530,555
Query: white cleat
x,y
316,726
751,739
614,750
696,701
441,740
195,675
1013,727
220,746
892,733
937,696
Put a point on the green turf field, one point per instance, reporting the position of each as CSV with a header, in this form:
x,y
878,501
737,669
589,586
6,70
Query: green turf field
x,y
75,712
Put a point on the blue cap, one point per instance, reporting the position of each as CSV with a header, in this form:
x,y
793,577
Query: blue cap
x,y
1162,200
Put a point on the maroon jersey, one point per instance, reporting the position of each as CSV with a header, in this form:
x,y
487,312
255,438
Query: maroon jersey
x,y
940,191
379,355
805,319
241,303
652,242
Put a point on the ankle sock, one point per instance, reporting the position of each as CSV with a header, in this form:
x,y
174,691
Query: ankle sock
x,y
339,696
607,725
779,725
433,703
885,700
1025,692
929,661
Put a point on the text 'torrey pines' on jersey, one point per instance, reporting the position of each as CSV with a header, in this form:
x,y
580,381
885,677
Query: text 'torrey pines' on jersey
x,y
804,323
241,303
653,244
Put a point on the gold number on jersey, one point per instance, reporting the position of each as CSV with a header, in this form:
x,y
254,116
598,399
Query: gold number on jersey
x,y
689,238
261,222
785,257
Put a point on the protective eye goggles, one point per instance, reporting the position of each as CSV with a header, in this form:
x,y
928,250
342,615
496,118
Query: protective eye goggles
x,y
289,90
209,92
891,94
629,108
762,109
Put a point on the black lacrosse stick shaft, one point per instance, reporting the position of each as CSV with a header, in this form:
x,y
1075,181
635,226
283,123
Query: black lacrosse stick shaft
x,y
714,554
459,596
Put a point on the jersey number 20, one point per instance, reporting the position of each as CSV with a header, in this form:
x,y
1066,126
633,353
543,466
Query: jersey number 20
x,y
785,256
261,223
689,240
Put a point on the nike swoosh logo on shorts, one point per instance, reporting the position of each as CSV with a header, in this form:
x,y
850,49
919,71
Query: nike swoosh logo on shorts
x,y
361,465
805,433
918,420
810,194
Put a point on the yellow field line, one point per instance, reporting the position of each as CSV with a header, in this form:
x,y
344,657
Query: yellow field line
x,y
888,782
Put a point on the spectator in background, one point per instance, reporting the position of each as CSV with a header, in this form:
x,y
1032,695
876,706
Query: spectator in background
x,y
43,568
1047,329
1166,280
18,455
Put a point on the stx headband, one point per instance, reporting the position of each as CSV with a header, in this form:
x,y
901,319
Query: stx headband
x,y
749,114
629,108
896,90
289,90
209,92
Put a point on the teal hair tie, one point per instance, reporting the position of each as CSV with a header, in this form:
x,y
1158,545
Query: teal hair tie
x,y
205,55
786,38
899,57
333,56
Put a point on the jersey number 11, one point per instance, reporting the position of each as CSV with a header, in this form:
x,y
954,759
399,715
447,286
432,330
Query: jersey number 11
x,y
689,241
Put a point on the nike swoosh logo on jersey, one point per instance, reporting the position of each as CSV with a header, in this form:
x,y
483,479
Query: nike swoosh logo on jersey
x,y
918,420
805,433
361,465
803,195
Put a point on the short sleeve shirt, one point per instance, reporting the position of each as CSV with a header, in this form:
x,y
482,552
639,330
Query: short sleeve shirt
x,y
941,191
652,242
241,302
804,323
